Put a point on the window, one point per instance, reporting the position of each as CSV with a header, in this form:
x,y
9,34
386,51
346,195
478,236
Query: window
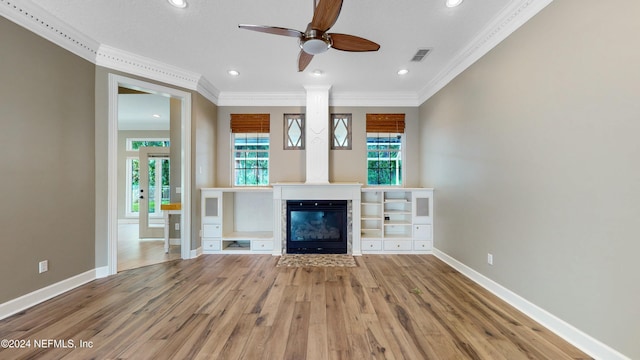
x,y
340,131
293,131
385,133
384,159
250,139
251,159
135,144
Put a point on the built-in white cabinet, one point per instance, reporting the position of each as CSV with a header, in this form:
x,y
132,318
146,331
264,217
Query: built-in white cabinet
x,y
237,220
396,220
391,220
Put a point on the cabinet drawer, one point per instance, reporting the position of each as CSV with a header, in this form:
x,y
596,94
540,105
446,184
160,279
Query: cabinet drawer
x,y
422,232
262,245
423,245
210,245
391,245
373,245
211,230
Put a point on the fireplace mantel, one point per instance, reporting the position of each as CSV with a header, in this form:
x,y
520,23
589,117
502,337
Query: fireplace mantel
x,y
307,191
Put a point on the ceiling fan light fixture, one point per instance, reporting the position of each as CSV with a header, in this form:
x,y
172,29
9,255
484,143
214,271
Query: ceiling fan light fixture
x,y
452,3
315,46
317,73
233,72
178,3
403,72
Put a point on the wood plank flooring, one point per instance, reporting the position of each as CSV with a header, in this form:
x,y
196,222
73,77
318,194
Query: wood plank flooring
x,y
134,252
244,307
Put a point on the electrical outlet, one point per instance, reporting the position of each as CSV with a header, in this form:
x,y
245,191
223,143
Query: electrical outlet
x,y
43,266
177,226
490,259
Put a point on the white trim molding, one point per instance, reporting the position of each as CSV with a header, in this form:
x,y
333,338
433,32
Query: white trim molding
x,y
503,25
42,23
24,302
390,99
568,332
230,98
39,21
131,63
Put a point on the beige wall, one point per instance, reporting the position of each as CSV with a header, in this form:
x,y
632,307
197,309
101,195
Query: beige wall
x,y
203,139
533,152
47,162
344,165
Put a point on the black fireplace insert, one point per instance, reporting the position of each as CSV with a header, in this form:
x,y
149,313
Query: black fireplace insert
x,y
317,226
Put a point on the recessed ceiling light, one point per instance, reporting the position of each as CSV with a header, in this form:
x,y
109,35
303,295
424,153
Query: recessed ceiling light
x,y
233,72
403,72
156,115
178,3
317,73
452,3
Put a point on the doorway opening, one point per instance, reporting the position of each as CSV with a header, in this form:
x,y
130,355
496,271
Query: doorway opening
x,y
145,173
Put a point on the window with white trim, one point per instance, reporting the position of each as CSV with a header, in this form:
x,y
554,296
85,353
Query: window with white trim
x,y
250,159
384,159
385,135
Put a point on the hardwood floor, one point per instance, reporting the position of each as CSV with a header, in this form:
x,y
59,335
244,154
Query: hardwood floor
x,y
244,307
134,252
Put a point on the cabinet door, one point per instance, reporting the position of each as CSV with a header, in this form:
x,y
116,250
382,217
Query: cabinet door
x,y
211,207
422,207
422,231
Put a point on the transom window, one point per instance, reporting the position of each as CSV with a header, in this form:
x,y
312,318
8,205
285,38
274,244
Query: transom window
x,y
135,144
251,159
384,158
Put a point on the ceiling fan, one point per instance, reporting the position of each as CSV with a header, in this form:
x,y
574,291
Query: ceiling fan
x,y
316,40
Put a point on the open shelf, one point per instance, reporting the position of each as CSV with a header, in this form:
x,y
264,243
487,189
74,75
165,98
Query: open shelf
x,y
240,245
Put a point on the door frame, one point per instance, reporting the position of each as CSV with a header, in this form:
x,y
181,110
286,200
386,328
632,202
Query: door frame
x,y
116,81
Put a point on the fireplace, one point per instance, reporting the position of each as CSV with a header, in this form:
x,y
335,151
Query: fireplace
x,y
316,226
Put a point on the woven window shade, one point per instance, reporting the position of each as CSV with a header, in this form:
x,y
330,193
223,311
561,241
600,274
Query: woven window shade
x,y
386,123
250,123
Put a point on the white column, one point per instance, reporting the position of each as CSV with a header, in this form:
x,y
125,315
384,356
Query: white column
x,y
317,135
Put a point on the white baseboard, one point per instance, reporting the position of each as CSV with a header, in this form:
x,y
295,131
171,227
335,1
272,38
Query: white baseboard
x,y
196,252
102,272
24,302
568,332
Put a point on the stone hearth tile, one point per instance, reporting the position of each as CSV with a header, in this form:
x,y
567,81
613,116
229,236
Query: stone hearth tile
x,y
316,260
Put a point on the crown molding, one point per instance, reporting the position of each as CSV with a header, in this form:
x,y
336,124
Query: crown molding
x,y
39,21
389,98
208,90
231,98
131,63
503,25
42,23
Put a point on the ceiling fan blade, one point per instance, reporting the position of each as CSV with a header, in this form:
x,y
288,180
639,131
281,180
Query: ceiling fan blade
x,y
272,30
326,14
303,60
346,42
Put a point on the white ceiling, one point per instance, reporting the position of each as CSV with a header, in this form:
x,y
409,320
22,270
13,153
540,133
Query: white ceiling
x,y
204,39
143,112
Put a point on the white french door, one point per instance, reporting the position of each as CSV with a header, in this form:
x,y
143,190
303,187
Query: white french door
x,y
154,175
